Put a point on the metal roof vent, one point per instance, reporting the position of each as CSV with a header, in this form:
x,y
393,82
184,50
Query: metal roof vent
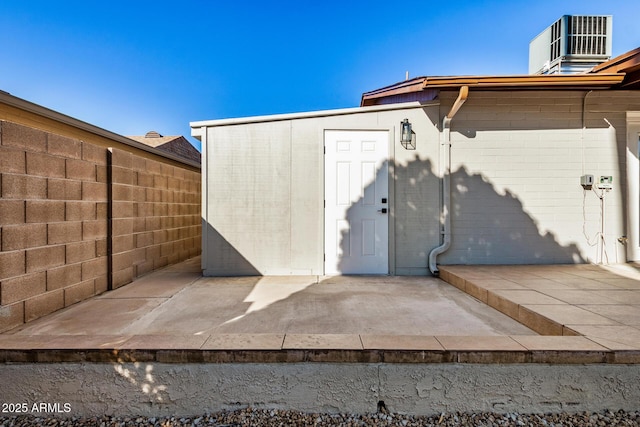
x,y
572,44
152,134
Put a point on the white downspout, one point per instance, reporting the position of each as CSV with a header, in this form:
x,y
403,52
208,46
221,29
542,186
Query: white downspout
x,y
445,172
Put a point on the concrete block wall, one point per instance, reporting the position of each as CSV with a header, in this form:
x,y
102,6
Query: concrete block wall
x,y
155,215
517,158
53,222
54,228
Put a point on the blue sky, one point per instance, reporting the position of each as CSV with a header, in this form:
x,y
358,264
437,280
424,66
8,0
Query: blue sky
x,y
134,66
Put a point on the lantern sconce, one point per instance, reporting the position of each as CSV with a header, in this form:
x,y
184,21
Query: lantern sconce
x,y
407,136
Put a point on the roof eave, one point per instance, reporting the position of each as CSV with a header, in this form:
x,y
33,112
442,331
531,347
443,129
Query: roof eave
x,y
523,82
570,81
622,63
407,86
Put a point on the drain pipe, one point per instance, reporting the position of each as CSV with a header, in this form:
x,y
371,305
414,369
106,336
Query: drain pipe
x,y
445,172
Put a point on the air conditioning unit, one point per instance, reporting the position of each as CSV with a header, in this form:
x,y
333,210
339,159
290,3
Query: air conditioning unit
x,y
572,44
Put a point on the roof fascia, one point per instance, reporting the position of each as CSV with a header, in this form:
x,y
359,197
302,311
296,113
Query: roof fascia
x,y
593,81
540,82
621,63
407,86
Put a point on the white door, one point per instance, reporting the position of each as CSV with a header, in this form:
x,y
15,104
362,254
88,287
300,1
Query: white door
x,y
356,202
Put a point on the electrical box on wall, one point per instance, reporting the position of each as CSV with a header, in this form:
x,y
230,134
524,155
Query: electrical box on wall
x,y
586,181
606,183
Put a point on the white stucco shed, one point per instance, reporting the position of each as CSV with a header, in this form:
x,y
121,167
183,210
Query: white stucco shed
x,y
491,175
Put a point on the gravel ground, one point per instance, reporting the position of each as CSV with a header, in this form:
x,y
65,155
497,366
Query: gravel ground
x,y
267,417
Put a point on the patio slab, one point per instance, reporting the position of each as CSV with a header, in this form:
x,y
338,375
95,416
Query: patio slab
x,y
490,315
184,304
601,303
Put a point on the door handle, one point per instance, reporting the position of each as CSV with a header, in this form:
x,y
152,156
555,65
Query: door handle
x,y
383,210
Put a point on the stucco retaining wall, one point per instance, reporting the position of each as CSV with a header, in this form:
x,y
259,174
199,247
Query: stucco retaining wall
x,y
192,389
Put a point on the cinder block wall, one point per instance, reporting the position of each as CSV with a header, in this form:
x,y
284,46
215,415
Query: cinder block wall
x,y
53,223
517,158
155,213
54,220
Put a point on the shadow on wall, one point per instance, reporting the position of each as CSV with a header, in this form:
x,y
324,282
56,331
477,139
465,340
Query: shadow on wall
x,y
231,261
416,214
488,227
496,228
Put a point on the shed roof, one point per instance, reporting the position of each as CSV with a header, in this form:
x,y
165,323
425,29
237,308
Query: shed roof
x,y
197,127
622,72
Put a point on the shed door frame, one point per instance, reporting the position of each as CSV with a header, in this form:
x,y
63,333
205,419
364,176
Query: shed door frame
x,y
373,212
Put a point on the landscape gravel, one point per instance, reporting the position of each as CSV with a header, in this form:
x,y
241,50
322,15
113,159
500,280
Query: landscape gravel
x,y
272,417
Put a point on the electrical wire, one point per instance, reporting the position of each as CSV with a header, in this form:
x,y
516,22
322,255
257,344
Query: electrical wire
x,y
599,236
584,222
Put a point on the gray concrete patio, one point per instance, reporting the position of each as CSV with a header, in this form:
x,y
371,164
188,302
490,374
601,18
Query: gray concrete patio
x,y
521,309
177,301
